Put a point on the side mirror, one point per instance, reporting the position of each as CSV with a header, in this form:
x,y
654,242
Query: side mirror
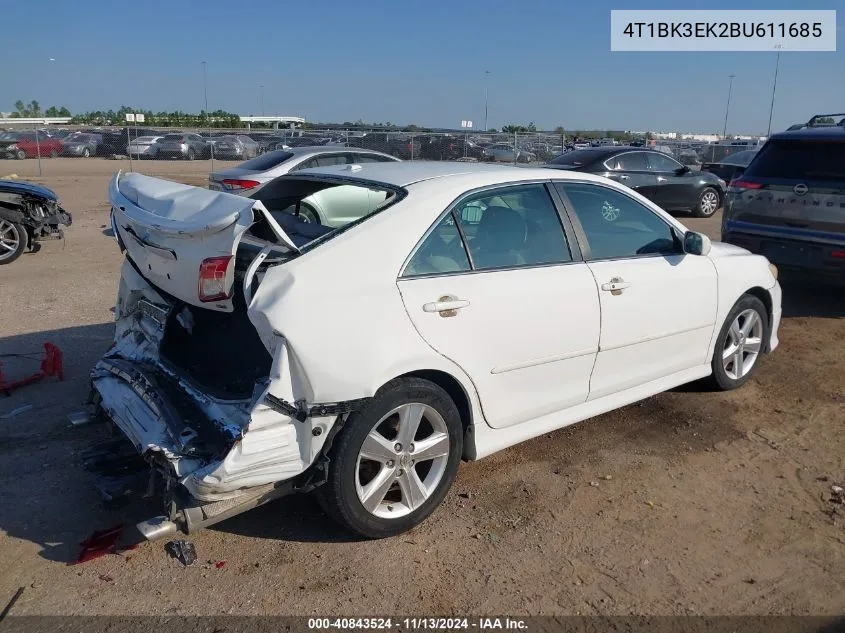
x,y
683,169
696,243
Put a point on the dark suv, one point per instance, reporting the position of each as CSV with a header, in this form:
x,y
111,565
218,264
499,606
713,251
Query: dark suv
x,y
789,203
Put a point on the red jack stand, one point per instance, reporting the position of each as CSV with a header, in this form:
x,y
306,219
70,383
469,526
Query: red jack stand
x,y
51,365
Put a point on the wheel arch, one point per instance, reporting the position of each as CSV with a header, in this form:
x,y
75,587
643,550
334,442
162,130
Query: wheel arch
x,y
763,295
459,396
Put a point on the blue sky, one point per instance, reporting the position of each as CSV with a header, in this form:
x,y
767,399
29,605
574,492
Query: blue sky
x,y
404,61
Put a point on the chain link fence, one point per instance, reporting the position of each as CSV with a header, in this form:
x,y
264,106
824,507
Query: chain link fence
x,y
30,153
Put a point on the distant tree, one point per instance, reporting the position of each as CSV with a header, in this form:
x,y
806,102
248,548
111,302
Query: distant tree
x,y
34,108
51,112
493,130
559,130
63,111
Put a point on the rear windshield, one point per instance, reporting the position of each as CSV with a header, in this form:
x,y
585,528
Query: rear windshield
x,y
578,157
800,160
266,161
740,158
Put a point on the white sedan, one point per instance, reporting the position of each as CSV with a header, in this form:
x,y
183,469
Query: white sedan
x,y
471,307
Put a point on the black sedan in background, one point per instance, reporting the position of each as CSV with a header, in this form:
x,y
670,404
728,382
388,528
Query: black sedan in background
x,y
655,175
730,166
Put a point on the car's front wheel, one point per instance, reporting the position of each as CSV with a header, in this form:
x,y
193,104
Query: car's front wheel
x,y
13,241
394,461
708,203
740,343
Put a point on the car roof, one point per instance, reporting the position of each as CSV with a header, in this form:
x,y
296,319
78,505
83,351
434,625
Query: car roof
x,y
328,149
826,133
405,173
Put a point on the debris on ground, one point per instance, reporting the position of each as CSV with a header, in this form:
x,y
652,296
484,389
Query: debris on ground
x,y
11,603
78,418
220,564
837,494
608,477
106,578
16,411
183,551
99,544
51,365
594,484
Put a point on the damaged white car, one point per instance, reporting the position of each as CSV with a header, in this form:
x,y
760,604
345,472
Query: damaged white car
x,y
469,308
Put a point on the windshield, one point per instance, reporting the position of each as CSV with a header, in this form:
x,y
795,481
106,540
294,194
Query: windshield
x,y
740,158
578,157
266,161
312,211
171,137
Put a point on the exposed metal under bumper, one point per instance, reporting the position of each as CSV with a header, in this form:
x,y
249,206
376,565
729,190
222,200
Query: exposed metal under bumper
x,y
192,519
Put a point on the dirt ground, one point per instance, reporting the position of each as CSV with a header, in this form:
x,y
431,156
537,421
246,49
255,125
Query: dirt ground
x,y
690,502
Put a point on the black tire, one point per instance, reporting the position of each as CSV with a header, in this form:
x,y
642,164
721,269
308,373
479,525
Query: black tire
x,y
191,155
86,153
13,230
720,378
20,154
54,154
706,206
338,496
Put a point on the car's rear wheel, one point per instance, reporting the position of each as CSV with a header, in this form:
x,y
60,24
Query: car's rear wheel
x,y
394,461
54,153
708,203
740,343
20,154
191,154
13,240
86,153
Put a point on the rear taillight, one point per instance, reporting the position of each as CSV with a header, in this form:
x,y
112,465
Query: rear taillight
x,y
838,254
213,285
235,184
744,184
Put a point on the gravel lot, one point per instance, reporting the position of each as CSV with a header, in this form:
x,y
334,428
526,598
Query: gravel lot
x,y
689,502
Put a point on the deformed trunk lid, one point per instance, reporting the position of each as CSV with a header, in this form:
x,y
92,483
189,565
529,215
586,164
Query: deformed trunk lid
x,y
168,229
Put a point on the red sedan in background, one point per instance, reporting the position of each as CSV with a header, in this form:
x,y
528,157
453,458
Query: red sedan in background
x,y
23,145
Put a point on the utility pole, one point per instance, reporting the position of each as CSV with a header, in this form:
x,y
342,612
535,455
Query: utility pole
x,y
486,95
728,107
774,88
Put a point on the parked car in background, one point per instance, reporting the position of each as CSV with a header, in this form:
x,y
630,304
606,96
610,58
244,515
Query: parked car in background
x,y
504,153
789,202
234,147
81,144
116,140
143,147
230,376
248,178
184,146
22,145
28,213
399,144
731,165
653,174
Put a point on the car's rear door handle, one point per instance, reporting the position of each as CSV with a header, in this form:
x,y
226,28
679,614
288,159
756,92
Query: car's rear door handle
x,y
615,286
661,179
623,177
447,305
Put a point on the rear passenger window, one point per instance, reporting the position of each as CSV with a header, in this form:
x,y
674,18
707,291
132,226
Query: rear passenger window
x,y
513,226
632,161
441,252
330,159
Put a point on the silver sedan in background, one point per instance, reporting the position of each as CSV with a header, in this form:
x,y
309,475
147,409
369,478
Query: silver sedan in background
x,y
235,147
142,147
249,178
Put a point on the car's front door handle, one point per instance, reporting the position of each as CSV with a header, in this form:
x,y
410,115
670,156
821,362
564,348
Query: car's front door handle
x,y
623,177
615,286
447,306
661,179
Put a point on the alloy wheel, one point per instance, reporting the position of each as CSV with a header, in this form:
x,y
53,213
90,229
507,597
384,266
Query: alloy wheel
x,y
10,240
709,202
402,460
743,344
